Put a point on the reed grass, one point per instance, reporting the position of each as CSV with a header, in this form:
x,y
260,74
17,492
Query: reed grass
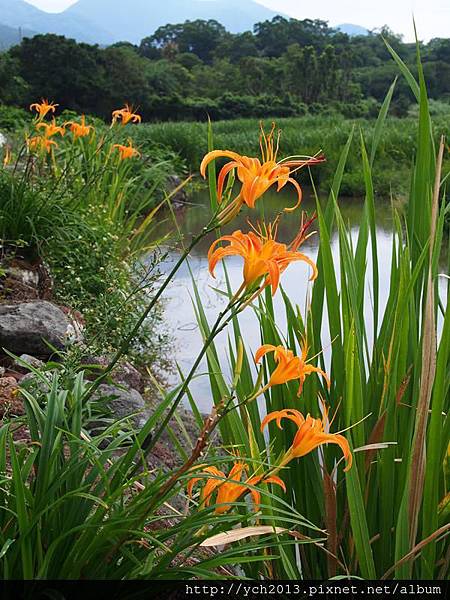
x,y
388,515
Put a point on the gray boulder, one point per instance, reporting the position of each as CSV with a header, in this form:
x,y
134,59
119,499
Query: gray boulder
x,y
21,364
129,376
25,327
123,403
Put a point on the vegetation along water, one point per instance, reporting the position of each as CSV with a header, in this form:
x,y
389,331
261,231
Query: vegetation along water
x,y
311,258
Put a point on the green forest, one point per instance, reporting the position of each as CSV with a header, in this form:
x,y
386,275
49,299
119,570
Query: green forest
x,y
284,68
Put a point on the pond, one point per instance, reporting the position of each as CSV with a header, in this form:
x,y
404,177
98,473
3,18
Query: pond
x,y
179,312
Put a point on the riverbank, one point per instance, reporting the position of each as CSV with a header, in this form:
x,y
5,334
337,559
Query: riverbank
x,y
47,336
178,147
74,222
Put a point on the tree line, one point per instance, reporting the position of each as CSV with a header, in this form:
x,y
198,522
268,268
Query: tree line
x,y
285,67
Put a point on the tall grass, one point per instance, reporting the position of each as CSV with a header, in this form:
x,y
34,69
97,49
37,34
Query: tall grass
x,y
82,505
388,516
396,146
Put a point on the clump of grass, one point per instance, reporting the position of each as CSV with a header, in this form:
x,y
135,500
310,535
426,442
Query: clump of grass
x,y
25,213
77,505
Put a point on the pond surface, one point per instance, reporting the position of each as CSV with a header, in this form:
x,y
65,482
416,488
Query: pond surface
x,y
179,312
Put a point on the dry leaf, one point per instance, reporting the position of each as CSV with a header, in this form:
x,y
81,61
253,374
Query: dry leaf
x,y
240,534
379,446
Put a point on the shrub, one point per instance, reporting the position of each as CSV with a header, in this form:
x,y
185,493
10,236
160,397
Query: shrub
x,y
12,118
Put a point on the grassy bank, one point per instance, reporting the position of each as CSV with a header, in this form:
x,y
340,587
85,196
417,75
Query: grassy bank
x,y
181,145
308,135
70,200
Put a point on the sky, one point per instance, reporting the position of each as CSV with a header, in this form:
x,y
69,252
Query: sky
x,y
432,17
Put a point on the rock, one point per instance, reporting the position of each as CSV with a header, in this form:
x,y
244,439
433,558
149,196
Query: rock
x,y
123,403
11,403
34,362
24,281
179,198
25,326
20,283
2,139
75,331
124,374
129,376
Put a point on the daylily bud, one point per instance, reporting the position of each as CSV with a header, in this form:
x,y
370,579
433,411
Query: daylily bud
x,y
239,361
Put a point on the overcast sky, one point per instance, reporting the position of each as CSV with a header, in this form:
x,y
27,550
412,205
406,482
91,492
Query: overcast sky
x,y
432,16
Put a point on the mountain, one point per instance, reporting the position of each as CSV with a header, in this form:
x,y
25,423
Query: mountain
x,y
10,36
352,30
132,21
18,13
108,21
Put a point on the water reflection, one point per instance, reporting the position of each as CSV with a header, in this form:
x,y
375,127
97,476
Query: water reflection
x,y
180,313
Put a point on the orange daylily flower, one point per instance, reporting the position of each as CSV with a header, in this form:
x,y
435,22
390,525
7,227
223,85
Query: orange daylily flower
x,y
256,176
40,142
79,129
43,108
289,366
7,157
230,488
263,255
126,151
51,129
310,435
125,115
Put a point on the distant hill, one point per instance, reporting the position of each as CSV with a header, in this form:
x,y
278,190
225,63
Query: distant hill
x,y
352,30
10,36
107,21
18,13
132,21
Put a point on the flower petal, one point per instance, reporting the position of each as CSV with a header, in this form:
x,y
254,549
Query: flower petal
x,y
266,348
217,154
